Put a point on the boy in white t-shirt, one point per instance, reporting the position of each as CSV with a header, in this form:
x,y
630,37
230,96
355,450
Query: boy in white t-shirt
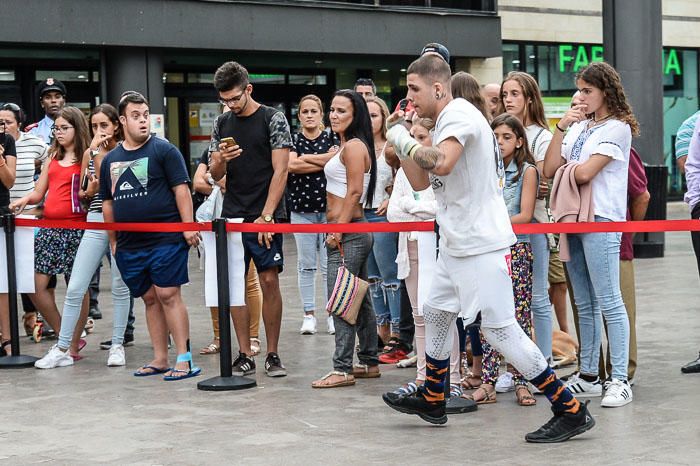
x,y
473,268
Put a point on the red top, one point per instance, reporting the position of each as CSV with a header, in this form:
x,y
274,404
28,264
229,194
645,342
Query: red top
x,y
62,202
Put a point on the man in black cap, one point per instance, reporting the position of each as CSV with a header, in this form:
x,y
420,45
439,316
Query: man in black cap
x,y
436,49
52,96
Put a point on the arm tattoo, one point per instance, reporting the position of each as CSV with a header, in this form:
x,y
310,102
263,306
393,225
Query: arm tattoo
x,y
427,157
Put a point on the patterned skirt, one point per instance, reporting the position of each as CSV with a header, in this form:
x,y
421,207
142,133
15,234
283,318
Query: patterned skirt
x,y
55,250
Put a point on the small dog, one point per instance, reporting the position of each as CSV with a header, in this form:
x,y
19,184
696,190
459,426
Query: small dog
x,y
564,349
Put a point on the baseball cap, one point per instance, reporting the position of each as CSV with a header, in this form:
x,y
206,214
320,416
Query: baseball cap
x,y
440,49
51,84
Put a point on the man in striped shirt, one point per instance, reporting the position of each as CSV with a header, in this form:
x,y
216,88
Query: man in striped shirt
x,y
685,132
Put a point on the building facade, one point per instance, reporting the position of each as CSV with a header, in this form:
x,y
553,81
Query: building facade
x,y
553,40
169,50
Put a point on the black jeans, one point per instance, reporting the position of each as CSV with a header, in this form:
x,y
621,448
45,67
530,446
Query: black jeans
x,y
695,235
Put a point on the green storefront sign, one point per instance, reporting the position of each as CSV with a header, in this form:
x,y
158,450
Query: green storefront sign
x,y
574,57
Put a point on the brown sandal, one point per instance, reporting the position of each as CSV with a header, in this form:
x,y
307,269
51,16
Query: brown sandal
x,y
29,320
524,399
348,380
466,381
364,371
213,348
488,397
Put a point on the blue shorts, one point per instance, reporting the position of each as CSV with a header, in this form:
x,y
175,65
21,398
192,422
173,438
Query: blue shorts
x,y
164,266
262,257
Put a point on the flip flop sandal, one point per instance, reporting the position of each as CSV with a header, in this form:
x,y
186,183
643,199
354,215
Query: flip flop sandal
x,y
29,321
213,348
37,332
90,325
347,382
3,351
153,371
488,398
525,400
255,346
364,371
192,371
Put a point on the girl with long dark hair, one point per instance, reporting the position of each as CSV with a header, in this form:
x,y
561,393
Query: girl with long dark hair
x,y
350,181
596,134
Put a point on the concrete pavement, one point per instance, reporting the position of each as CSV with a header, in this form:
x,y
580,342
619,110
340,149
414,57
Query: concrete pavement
x,y
89,413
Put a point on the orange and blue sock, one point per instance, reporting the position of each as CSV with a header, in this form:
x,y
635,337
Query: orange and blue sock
x,y
561,398
436,373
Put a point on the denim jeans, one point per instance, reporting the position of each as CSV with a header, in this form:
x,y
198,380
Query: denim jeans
x,y
541,307
93,246
356,247
594,271
311,250
385,287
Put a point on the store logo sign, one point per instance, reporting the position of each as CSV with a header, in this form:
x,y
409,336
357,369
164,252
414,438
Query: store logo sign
x,y
573,58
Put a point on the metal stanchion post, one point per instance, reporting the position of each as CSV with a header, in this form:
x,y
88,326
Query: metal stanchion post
x,y
16,361
225,381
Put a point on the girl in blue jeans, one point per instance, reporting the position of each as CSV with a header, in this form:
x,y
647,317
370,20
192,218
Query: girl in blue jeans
x,y
596,135
385,287
94,245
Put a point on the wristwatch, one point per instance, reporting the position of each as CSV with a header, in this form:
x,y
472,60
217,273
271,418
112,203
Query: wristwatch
x,y
267,218
94,153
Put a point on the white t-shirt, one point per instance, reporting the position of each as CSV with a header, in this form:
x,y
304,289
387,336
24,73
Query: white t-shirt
x,y
614,139
538,140
30,148
471,213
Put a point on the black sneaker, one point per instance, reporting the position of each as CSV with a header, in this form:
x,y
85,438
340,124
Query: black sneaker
x,y
563,426
414,403
273,366
128,341
243,365
95,313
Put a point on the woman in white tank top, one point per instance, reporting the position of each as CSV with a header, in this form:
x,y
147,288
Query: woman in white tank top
x,y
350,176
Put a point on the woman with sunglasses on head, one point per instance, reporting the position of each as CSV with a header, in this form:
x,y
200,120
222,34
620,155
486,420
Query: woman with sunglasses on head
x,y
8,163
306,185
596,135
521,97
106,134
55,249
350,181
31,153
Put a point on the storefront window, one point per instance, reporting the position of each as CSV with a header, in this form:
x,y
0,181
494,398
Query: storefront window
x,y
65,76
511,58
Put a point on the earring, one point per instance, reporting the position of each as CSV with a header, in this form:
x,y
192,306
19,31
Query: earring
x,y
518,147
437,96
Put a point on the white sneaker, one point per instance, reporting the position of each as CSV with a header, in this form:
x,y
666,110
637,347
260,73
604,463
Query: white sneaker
x,y
582,388
331,326
116,356
308,327
619,393
504,383
54,358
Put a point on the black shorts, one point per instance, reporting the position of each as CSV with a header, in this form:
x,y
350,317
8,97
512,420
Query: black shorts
x,y
262,257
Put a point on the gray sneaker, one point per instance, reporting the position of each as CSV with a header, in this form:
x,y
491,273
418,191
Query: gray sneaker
x,y
273,366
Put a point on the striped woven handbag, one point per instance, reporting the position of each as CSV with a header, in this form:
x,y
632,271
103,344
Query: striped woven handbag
x,y
348,293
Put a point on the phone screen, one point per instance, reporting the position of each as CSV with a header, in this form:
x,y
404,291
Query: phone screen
x,y
403,103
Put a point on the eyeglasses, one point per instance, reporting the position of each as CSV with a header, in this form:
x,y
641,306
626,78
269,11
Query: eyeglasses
x,y
232,100
60,129
11,107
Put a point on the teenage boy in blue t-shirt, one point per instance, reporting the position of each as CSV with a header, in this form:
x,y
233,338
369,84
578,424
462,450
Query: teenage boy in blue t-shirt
x,y
145,180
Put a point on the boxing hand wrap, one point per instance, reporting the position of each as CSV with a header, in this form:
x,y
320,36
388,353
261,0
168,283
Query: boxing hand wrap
x,y
399,137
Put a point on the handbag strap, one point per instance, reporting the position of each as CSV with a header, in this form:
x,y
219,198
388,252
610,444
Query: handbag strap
x,y
342,254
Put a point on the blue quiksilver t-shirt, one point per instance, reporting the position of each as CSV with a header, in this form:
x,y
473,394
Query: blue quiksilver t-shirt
x,y
139,183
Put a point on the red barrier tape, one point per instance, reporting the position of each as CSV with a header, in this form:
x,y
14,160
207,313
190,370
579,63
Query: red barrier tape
x,y
647,226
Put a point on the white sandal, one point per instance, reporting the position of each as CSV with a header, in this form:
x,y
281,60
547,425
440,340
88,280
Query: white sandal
x,y
343,383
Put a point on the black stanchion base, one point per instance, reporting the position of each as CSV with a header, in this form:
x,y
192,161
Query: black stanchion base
x,y
17,362
222,384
